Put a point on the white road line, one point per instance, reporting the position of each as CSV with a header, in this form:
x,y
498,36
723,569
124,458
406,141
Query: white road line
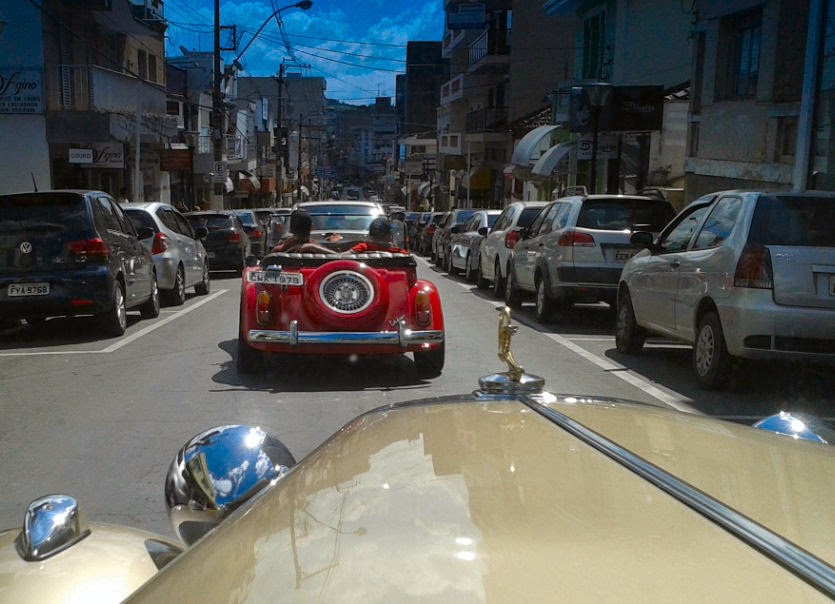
x,y
124,341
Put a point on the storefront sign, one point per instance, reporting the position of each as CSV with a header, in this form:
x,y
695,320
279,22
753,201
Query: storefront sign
x,y
638,108
99,155
175,160
81,156
21,91
607,147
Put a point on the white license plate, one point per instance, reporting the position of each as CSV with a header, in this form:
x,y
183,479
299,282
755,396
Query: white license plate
x,y
624,254
832,285
27,289
276,277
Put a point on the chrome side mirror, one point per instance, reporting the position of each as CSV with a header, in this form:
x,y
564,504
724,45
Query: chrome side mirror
x,y
800,426
217,471
52,524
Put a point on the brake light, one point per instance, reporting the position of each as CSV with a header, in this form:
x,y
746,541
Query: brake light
x,y
235,237
160,243
753,269
423,308
89,250
263,310
511,238
573,238
257,234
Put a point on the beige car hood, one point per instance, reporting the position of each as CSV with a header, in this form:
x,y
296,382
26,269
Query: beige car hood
x,y
472,501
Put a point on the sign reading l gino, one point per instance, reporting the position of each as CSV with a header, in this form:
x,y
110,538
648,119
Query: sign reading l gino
x,y
21,91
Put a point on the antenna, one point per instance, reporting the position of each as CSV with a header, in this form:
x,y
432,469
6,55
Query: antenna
x,y
34,182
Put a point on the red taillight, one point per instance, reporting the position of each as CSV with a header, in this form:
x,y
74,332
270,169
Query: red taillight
x,y
263,310
235,237
753,269
573,238
160,243
89,250
257,234
423,308
511,238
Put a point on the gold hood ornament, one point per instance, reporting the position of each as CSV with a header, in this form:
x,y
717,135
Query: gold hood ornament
x,y
514,380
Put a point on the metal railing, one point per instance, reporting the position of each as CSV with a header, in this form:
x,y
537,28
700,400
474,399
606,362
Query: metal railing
x,y
490,42
487,119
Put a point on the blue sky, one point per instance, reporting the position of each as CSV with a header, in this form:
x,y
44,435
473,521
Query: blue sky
x,y
359,46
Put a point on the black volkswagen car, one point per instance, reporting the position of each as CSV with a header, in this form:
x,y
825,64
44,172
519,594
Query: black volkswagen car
x,y
73,252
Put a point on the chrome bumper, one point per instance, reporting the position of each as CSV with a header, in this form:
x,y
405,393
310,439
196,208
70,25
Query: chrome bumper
x,y
403,337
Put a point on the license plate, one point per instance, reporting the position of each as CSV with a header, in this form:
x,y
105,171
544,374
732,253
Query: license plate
x,y
277,278
624,254
832,285
27,289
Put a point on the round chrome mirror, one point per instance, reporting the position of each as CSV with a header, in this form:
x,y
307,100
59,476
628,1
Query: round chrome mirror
x,y
217,471
801,426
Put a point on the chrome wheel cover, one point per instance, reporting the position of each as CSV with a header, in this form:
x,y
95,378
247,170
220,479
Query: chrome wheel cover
x,y
121,310
540,297
346,292
705,349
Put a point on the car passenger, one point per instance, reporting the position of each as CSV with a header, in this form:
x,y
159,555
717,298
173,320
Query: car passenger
x,y
379,238
299,239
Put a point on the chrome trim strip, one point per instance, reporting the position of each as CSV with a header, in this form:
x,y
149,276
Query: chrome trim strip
x,y
402,337
805,565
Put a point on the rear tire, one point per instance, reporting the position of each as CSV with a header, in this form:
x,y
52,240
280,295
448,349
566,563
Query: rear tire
x,y
498,282
430,363
202,288
470,274
114,321
177,295
711,360
629,337
512,296
449,267
480,281
545,306
150,309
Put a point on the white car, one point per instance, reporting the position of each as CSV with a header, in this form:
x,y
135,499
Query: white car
x,y
737,275
494,251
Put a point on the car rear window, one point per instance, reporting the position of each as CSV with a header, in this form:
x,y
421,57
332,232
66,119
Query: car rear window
x,y
463,216
213,222
347,208
527,216
247,218
46,223
491,219
794,220
625,214
140,218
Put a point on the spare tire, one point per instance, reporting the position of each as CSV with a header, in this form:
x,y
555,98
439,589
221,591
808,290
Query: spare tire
x,y
346,294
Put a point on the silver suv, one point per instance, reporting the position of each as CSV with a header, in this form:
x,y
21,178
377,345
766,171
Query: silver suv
x,y
576,247
736,274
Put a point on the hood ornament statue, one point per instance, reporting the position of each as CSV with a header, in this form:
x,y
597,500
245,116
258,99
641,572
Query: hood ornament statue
x,y
514,380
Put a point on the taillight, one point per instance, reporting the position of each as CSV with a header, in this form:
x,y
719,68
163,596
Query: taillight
x,y
263,304
753,269
160,243
235,237
423,308
573,238
89,250
257,234
511,238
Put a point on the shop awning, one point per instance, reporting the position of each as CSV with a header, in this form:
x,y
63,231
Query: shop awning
x,y
479,179
532,145
549,160
230,186
248,181
424,188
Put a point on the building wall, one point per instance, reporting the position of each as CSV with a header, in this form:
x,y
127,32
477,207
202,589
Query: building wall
x,y
425,73
23,147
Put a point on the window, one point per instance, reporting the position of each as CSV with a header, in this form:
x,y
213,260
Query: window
x,y
593,47
681,233
541,217
152,68
739,55
142,60
504,220
719,223
548,222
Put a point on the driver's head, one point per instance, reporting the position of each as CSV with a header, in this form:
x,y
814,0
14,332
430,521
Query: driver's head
x,y
380,229
300,223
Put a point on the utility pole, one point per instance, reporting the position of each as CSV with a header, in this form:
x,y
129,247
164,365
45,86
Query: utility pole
x,y
280,158
217,116
299,164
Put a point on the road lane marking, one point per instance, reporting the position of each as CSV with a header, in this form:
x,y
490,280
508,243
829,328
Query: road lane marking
x,y
125,340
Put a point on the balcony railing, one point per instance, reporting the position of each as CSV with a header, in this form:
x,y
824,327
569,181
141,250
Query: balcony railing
x,y
489,43
486,120
94,88
453,90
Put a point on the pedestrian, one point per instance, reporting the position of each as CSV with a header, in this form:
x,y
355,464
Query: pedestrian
x,y
379,238
299,238
123,195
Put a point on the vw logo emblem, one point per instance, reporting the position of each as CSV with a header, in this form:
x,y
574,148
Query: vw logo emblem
x,y
25,248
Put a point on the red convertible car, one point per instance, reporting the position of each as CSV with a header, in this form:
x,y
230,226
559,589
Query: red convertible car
x,y
363,303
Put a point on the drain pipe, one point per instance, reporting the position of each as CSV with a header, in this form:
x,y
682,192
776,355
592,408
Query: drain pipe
x,y
806,121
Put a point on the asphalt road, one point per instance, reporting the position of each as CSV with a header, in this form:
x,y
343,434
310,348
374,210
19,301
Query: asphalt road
x,y
101,419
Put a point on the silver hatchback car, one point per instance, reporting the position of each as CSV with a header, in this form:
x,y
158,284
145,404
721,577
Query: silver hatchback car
x,y
737,274
576,247
179,256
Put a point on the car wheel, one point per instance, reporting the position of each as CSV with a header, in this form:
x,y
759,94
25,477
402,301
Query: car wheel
x,y
177,295
711,360
114,321
202,288
480,281
545,306
248,360
498,282
452,270
629,337
150,309
512,296
470,274
430,363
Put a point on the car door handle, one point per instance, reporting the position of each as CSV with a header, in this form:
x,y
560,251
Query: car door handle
x,y
675,264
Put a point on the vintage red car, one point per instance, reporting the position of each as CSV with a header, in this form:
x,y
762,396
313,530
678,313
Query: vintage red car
x,y
340,304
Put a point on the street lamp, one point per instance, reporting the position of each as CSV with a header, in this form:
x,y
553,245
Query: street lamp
x,y
217,113
598,93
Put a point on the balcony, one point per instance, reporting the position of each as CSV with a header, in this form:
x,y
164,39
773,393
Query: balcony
x,y
453,90
452,40
451,143
94,88
490,51
489,119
